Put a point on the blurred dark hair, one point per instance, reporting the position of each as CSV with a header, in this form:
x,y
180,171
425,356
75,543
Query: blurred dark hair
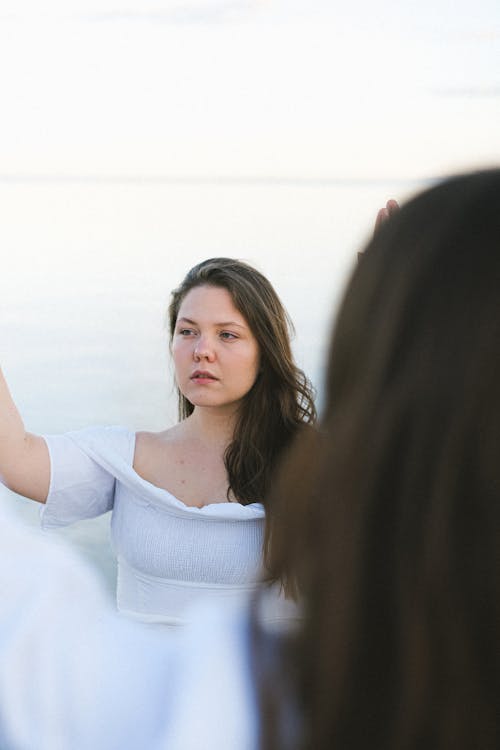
x,y
388,520
281,399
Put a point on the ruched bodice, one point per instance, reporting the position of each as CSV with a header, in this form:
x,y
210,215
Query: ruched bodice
x,y
169,554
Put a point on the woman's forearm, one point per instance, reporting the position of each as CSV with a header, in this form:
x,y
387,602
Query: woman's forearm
x,y
24,458
12,429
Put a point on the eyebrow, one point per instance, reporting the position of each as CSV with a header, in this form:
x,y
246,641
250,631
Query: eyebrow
x,y
219,325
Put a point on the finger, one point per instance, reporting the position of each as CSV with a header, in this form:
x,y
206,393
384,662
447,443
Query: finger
x,y
382,216
392,206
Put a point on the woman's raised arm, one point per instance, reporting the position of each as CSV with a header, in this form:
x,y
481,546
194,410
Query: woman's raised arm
x,y
24,458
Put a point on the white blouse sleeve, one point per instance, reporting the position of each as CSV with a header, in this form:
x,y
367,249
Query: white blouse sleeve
x,y
80,486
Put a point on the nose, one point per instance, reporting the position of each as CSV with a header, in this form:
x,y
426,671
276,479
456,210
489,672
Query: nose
x,y
203,350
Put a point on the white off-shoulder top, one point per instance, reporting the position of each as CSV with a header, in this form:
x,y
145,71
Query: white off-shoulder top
x,y
169,554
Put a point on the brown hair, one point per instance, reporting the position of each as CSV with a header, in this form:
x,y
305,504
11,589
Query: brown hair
x,y
281,398
393,537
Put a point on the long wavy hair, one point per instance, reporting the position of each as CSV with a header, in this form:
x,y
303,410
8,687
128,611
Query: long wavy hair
x,y
390,516
281,399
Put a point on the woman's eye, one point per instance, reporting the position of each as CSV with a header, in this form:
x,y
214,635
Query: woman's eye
x,y
227,335
185,331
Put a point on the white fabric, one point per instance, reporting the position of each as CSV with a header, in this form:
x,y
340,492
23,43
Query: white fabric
x,y
76,676
73,674
169,554
215,707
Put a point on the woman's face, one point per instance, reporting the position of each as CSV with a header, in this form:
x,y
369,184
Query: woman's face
x,y
216,356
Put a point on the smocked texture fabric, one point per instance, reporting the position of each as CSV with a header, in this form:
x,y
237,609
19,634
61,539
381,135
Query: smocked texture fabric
x,y
169,554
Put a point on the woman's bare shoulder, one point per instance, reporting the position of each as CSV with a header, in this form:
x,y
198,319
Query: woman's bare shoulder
x,y
150,439
149,444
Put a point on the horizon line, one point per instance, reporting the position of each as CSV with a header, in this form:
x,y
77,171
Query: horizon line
x,y
215,180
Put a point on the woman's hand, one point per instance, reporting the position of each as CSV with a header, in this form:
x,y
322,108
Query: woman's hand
x,y
385,213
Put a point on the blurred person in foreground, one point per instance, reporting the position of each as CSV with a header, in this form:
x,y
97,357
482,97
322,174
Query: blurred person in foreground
x,y
388,523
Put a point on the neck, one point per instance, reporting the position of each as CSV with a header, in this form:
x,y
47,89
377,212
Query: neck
x,y
213,426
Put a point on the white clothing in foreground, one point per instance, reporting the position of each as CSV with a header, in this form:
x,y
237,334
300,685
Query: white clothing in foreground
x,y
75,676
169,554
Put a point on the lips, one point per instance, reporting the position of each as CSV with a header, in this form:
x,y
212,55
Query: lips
x,y
203,375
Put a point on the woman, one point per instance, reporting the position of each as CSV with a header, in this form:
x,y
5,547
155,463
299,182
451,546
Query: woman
x,y
188,504
389,523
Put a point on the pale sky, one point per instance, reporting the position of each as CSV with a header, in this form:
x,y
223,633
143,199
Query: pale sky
x,y
318,89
